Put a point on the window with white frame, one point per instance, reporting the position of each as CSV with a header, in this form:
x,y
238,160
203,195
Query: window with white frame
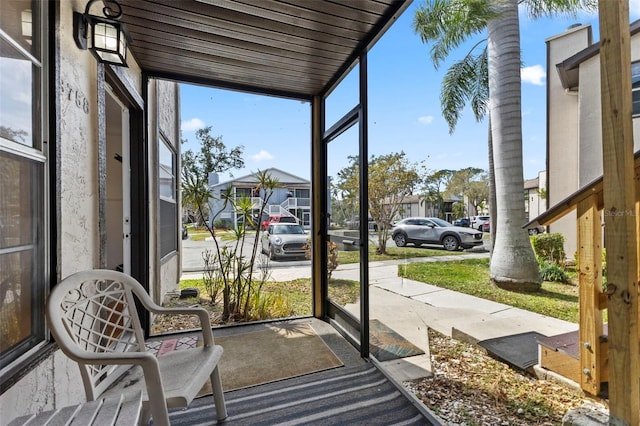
x,y
167,169
24,233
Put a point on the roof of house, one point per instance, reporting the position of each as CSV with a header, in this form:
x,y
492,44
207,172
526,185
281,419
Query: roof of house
x,y
289,48
284,179
417,198
532,183
568,70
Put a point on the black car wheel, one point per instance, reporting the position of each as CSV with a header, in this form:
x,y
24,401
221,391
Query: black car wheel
x,y
533,231
400,239
450,243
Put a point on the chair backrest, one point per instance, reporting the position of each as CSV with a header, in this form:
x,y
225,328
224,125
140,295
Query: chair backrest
x,y
93,312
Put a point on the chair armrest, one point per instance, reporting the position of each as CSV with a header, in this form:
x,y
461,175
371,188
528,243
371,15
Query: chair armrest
x,y
111,358
150,305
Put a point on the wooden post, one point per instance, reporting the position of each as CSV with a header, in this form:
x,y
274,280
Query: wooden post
x,y
619,209
319,225
590,286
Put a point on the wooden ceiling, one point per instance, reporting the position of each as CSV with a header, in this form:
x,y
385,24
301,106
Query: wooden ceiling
x,y
291,48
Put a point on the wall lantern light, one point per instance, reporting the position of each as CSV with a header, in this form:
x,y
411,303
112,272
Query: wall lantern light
x,y
107,38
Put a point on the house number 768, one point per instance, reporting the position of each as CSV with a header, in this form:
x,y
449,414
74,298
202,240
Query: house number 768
x,y
77,97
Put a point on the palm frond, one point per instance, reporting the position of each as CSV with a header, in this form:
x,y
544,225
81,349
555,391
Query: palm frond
x,y
548,8
479,95
465,81
449,23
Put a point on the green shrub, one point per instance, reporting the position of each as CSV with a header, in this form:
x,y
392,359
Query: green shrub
x,y
551,271
265,305
222,224
549,247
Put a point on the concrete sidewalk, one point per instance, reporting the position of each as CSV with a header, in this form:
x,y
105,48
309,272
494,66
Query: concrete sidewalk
x,y
410,308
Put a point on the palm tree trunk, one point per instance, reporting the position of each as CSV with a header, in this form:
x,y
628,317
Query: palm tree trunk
x,y
492,194
513,263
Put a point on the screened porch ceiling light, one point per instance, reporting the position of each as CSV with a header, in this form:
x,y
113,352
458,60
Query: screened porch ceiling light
x,y
106,37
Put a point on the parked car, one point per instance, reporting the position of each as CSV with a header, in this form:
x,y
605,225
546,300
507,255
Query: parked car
x,y
277,218
432,230
478,222
284,240
465,222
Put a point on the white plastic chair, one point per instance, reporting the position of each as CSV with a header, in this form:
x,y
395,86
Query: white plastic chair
x,y
93,318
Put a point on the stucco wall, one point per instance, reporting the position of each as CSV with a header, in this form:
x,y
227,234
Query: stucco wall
x,y
566,177
55,382
590,158
563,131
591,117
536,203
169,124
164,103
78,151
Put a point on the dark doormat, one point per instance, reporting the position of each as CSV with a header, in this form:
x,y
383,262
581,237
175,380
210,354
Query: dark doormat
x,y
386,344
518,350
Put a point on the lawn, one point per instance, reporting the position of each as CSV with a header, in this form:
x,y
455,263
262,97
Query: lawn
x,y
201,233
471,276
393,253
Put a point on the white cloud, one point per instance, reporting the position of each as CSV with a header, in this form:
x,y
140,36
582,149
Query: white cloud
x,y
191,125
425,119
262,155
533,75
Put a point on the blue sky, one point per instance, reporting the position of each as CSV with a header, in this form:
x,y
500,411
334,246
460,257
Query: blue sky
x,y
404,109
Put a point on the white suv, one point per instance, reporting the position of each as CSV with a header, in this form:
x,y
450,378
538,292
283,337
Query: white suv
x,y
481,223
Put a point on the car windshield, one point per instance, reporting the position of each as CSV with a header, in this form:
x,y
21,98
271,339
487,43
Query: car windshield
x,y
441,223
287,229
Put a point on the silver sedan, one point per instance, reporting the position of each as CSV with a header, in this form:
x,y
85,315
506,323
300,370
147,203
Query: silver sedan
x,y
432,230
284,240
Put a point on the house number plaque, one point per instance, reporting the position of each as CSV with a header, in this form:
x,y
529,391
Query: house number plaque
x,y
76,96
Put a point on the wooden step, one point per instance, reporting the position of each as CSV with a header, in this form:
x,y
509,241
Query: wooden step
x,y
561,354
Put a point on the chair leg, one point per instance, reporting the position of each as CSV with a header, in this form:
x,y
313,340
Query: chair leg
x,y
218,394
158,408
145,414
